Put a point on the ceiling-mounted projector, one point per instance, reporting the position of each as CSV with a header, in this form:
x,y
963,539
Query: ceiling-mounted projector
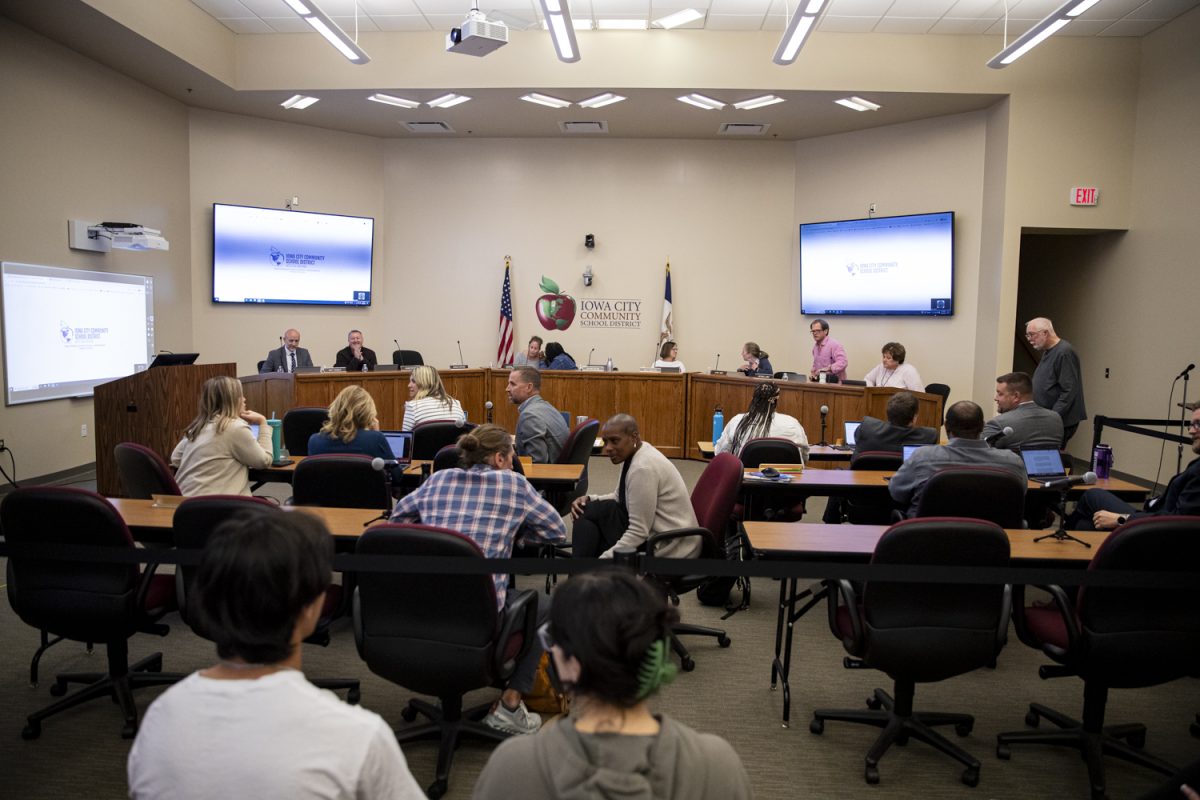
x,y
477,36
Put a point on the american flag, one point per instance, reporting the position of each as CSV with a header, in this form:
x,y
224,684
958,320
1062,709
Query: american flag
x,y
504,350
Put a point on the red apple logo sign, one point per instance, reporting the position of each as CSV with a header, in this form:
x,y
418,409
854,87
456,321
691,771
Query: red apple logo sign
x,y
555,310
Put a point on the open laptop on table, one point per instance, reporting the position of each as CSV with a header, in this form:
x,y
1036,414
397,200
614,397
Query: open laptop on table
x,y
401,443
1043,464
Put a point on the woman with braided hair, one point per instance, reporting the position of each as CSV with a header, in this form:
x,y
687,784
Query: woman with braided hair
x,y
761,420
608,638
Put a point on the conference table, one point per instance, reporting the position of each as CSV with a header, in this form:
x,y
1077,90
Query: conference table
x,y
854,544
155,518
542,476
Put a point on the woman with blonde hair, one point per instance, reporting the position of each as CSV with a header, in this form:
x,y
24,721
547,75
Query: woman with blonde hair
x,y
352,427
429,401
218,449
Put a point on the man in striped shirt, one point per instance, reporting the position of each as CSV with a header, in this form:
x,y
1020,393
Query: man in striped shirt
x,y
494,506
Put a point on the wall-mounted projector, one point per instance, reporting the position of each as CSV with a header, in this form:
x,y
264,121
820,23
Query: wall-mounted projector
x,y
477,36
101,237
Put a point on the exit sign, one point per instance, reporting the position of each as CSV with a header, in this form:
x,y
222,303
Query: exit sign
x,y
1085,196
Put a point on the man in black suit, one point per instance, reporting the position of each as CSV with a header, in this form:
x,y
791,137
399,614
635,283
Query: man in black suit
x,y
288,357
875,435
1033,427
354,357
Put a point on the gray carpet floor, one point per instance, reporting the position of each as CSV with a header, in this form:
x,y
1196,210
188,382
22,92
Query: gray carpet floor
x,y
81,754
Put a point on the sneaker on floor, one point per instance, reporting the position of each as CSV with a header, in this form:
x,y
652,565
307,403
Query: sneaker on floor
x,y
520,720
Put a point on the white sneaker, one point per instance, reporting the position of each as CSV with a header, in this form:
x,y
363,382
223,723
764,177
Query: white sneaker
x,y
519,721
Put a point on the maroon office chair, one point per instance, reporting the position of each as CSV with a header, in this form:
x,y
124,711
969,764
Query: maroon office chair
x,y
143,472
299,424
429,437
976,492
339,480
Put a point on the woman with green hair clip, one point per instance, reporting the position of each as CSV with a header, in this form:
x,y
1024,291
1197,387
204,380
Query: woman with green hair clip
x,y
609,647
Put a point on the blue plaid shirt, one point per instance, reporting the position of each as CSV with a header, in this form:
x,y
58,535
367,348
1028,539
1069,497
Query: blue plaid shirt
x,y
493,507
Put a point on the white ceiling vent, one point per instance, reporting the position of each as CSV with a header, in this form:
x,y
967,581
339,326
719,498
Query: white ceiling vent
x,y
584,127
743,129
427,127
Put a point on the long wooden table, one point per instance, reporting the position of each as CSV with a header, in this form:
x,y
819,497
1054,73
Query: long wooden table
x,y
542,476
819,482
147,515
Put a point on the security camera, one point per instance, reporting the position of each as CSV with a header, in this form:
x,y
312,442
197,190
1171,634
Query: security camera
x,y
587,275
589,241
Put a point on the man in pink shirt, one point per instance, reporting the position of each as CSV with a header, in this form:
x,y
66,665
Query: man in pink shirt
x,y
828,354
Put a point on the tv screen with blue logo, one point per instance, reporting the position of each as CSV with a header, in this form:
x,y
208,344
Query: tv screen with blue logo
x,y
272,255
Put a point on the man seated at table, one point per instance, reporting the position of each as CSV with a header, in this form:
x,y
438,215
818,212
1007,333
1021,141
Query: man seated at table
x,y
251,725
1033,427
354,357
289,357
875,435
964,423
1101,510
489,503
650,497
541,429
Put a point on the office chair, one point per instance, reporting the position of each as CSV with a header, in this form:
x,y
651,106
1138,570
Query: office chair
x,y
867,510
439,635
577,449
774,450
939,389
196,519
339,480
976,492
921,633
299,424
143,472
713,499
1115,638
259,367
448,458
407,358
429,437
84,601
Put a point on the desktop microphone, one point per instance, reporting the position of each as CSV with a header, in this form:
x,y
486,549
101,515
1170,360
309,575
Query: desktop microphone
x,y
488,408
995,437
1183,374
824,413
590,356
714,370
399,354
461,364
379,464
1087,478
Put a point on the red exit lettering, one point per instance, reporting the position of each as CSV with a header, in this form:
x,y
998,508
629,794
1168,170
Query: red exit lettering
x,y
1085,196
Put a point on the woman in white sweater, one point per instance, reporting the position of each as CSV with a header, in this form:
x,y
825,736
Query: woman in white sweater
x,y
429,400
761,420
217,449
892,371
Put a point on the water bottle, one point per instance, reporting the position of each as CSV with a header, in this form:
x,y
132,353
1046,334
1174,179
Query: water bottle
x,y
718,424
608,367
1102,461
364,369
276,436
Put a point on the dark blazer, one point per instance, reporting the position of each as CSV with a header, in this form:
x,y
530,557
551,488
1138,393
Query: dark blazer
x,y
1033,427
345,358
879,436
277,358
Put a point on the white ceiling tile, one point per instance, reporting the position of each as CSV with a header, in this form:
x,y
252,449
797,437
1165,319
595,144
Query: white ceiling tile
x,y
1132,27
347,24
288,25
832,24
976,9
1084,27
913,9
402,23
457,7
389,8
1032,9
265,8
1163,9
337,8
1015,27
742,7
444,22
734,22
962,26
1114,9
631,9
226,9
251,25
891,24
858,8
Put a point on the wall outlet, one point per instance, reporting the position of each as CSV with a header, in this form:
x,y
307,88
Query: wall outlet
x,y
83,429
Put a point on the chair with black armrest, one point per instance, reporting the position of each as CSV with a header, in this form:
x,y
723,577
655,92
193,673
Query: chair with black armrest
x,y
439,635
921,632
577,449
84,601
429,437
713,499
976,492
940,389
143,472
196,519
448,458
868,510
299,424
797,377
260,365
406,359
339,480
1116,638
774,450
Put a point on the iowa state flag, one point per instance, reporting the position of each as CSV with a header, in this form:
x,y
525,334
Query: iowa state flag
x,y
667,331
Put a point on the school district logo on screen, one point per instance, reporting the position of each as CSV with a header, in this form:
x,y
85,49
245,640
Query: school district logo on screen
x,y
276,257
82,337
68,333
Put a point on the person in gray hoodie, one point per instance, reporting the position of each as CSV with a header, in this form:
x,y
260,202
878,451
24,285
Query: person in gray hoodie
x,y
608,637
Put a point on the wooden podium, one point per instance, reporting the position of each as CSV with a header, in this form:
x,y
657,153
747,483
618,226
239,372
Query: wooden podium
x,y
150,408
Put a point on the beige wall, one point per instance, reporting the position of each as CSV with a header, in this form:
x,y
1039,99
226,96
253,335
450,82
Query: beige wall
x,y
80,141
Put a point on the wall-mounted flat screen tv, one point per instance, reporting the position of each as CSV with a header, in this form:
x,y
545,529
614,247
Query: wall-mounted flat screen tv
x,y
885,266
270,255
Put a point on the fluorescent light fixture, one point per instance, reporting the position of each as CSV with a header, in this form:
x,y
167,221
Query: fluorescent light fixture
x,y
576,24
299,101
307,10
797,32
858,104
700,101
562,31
1043,30
545,100
601,100
390,100
447,100
622,24
758,102
679,18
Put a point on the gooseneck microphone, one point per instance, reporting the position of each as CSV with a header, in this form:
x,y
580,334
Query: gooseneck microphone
x,y
824,414
590,356
1088,478
1186,370
995,437
714,370
488,409
461,364
399,354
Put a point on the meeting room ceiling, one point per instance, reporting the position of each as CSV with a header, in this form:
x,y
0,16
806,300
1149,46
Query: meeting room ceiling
x,y
499,112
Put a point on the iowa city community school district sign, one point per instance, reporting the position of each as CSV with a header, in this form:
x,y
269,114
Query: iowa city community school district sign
x,y
556,311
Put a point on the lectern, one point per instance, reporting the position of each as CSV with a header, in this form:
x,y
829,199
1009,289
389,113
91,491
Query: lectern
x,y
151,408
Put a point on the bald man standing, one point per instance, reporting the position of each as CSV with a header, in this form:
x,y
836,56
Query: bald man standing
x,y
288,357
1058,379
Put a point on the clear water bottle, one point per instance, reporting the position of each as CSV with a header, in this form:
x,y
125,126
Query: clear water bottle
x,y
718,424
608,366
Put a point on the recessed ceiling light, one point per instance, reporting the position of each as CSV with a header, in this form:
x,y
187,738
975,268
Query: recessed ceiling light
x,y
679,18
622,24
858,104
601,100
299,101
700,101
758,102
545,100
390,100
447,100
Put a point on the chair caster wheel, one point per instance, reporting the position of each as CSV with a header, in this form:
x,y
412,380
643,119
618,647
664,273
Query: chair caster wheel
x,y
1003,752
1032,719
408,715
687,664
874,703
871,774
58,689
1137,741
31,731
902,740
817,726
436,789
353,696
723,641
970,776
129,730
964,728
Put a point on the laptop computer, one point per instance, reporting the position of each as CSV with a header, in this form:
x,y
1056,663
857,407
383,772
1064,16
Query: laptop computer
x,y
851,430
1043,463
909,449
173,359
401,444
670,369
